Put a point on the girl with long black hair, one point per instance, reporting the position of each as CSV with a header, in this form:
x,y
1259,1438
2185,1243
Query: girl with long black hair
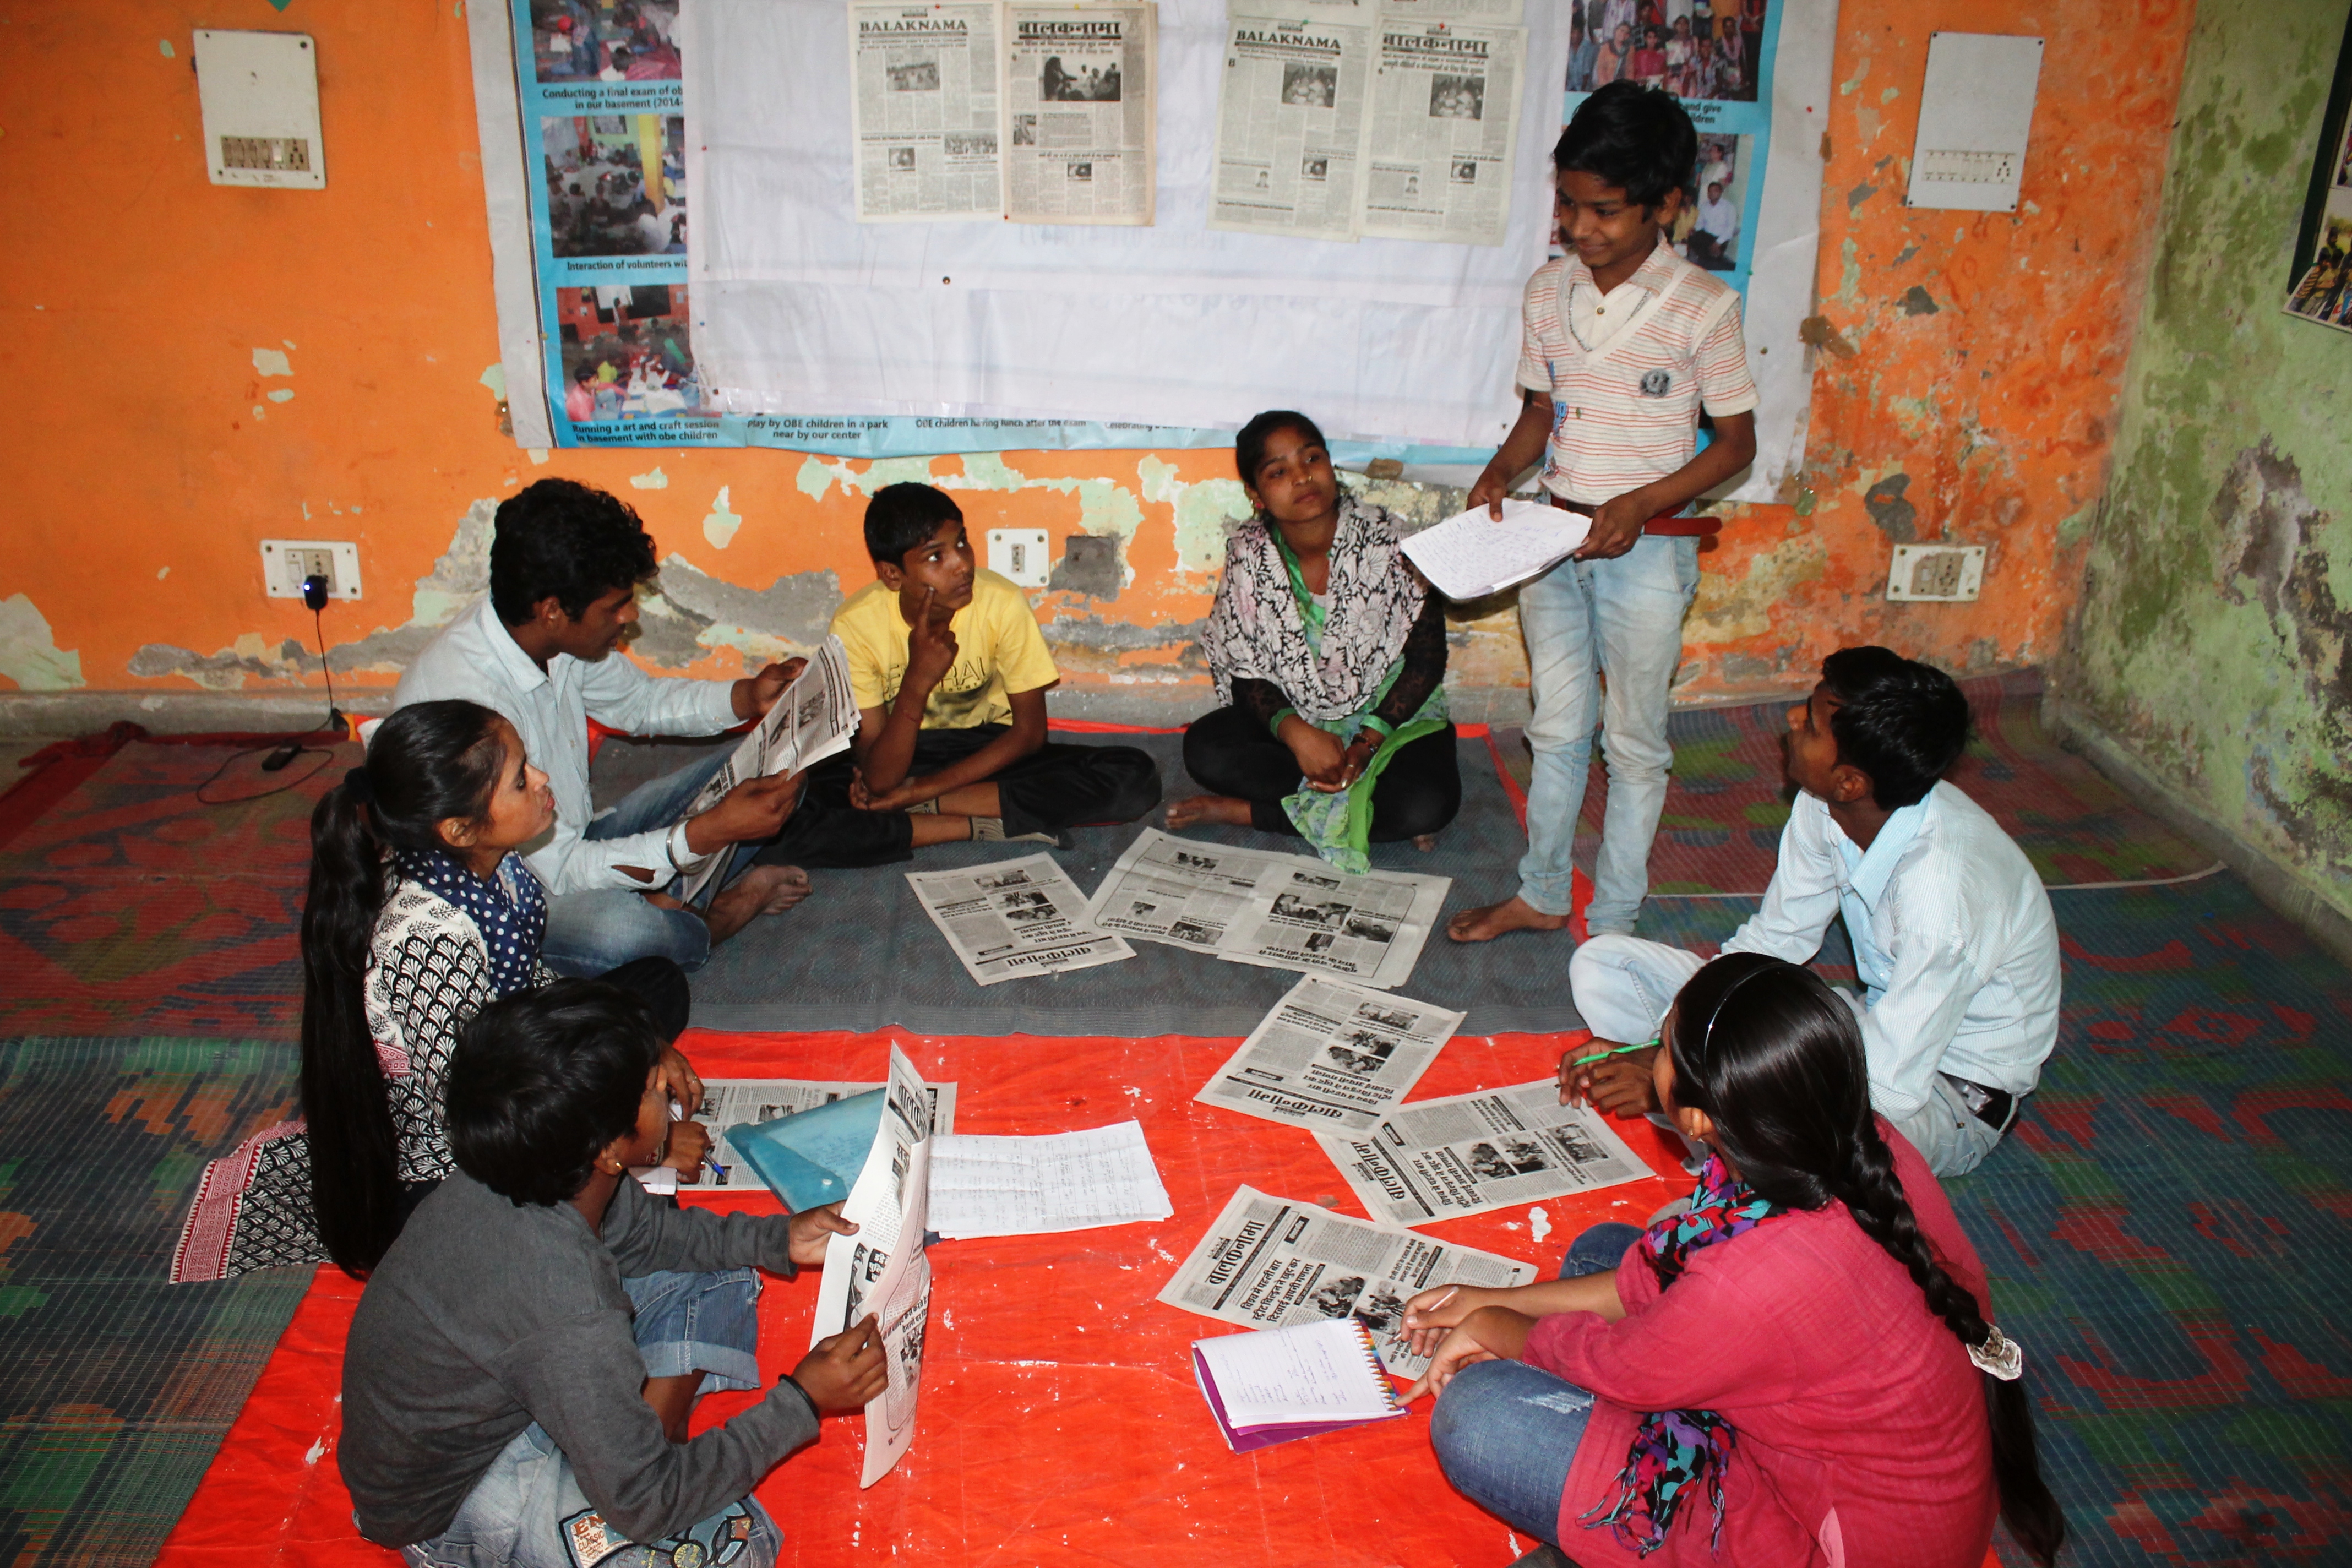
x,y
1800,1369
420,913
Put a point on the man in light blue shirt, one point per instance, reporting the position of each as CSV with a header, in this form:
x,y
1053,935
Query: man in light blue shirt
x,y
1953,937
543,649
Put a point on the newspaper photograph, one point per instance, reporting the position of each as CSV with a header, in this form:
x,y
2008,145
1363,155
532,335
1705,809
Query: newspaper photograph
x,y
923,111
1290,124
1011,917
871,1271
1081,112
1280,911
1270,1262
1467,1154
732,1102
1332,1055
813,718
1445,112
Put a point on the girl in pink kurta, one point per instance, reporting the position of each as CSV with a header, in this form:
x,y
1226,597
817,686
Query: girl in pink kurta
x,y
1798,1370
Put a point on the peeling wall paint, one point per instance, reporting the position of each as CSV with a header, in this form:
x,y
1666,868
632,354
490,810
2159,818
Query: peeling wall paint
x,y
1976,357
29,654
2215,624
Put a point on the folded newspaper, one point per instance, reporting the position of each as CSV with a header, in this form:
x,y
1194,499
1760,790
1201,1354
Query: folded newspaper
x,y
1010,918
1270,1262
1033,1186
1331,1055
732,1102
1279,911
1467,1154
883,1269
1471,555
816,717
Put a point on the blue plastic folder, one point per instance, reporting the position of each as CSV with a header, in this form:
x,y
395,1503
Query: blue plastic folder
x,y
810,1159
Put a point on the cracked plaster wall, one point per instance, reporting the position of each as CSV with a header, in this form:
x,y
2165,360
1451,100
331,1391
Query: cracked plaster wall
x,y
312,365
2215,624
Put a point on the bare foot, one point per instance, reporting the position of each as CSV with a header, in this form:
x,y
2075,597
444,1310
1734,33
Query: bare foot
x,y
1424,842
761,890
1512,913
1218,808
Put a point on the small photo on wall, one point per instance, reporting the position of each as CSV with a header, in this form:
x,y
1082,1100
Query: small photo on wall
x,y
593,40
1699,50
628,353
615,185
1707,231
2324,294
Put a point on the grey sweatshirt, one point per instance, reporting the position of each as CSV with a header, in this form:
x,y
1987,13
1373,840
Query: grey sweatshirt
x,y
485,1316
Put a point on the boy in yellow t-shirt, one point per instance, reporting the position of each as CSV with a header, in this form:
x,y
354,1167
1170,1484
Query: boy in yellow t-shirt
x,y
950,674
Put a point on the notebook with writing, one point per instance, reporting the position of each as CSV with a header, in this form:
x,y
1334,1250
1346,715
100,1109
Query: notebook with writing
x,y
1277,1384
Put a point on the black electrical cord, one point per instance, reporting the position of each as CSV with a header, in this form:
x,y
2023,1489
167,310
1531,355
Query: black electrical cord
x,y
283,752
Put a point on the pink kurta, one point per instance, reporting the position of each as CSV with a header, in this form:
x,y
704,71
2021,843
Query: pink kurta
x,y
1860,1421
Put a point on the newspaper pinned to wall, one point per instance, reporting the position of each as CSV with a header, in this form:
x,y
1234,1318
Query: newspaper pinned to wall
x,y
732,1102
1331,1055
1081,113
923,107
1445,115
1280,911
1270,1262
1011,917
813,718
1291,111
1467,1154
883,1269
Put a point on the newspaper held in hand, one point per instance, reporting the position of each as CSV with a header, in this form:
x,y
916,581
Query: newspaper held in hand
x,y
1081,95
1472,555
813,718
1011,917
1331,1055
1033,1186
1270,1262
923,111
1290,123
1467,1154
1279,911
732,1102
883,1269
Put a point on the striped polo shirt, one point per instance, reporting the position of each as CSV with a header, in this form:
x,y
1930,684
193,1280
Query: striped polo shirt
x,y
1628,371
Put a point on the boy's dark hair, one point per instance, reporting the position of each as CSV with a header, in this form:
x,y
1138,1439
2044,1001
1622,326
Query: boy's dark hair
x,y
542,1080
902,516
1900,721
1637,138
562,539
1249,442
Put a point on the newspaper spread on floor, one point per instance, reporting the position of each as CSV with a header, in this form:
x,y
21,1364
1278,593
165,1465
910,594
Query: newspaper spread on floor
x,y
1270,1262
1290,123
1052,1182
1445,114
1281,911
732,1102
883,1269
1467,1154
813,718
1011,917
1081,112
923,110
1331,1055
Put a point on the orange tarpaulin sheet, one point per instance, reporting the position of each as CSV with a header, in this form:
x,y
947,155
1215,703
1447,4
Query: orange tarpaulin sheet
x,y
1060,1423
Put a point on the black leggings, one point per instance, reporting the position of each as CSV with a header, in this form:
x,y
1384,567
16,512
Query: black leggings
x,y
1229,752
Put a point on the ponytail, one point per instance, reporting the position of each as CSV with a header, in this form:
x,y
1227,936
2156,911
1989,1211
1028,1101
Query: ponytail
x,y
427,763
1781,1073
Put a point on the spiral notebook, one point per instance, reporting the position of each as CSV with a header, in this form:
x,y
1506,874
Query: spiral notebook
x,y
1276,1385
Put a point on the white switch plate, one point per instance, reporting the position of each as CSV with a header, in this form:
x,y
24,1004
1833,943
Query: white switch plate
x,y
1019,554
259,92
1976,111
1942,573
286,561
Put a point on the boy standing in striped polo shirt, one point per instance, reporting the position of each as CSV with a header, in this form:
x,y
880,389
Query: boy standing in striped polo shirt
x,y
1625,342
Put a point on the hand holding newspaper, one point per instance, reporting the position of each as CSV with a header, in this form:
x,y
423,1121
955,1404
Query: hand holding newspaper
x,y
813,718
1471,555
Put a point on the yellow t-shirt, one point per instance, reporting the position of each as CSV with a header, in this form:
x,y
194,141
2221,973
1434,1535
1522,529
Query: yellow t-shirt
x,y
999,649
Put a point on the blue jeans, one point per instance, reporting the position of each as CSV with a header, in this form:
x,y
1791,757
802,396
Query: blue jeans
x,y
528,1510
1580,619
1505,1432
604,928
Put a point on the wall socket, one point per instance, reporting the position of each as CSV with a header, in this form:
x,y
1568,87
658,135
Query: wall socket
x,y
1944,572
286,561
1019,553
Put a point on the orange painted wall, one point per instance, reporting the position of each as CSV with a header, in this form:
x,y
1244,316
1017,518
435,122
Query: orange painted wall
x,y
149,453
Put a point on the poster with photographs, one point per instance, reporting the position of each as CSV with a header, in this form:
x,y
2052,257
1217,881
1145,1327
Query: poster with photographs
x,y
1716,57
2323,290
626,352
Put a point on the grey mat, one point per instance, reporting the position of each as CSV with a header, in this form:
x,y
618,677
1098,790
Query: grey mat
x,y
861,954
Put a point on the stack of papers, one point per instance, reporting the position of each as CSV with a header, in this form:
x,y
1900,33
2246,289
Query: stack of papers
x,y
1281,1383
1472,555
1030,1186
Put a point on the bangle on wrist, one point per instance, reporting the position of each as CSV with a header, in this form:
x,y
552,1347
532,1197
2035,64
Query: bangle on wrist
x,y
1273,725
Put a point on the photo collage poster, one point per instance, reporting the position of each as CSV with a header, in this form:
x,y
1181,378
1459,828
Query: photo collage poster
x,y
2322,293
1716,57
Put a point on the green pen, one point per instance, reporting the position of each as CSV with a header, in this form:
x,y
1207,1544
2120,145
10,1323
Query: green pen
x,y
1620,1051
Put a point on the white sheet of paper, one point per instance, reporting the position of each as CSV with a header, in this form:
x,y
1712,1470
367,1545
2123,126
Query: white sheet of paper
x,y
1308,1372
1027,1186
1471,555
